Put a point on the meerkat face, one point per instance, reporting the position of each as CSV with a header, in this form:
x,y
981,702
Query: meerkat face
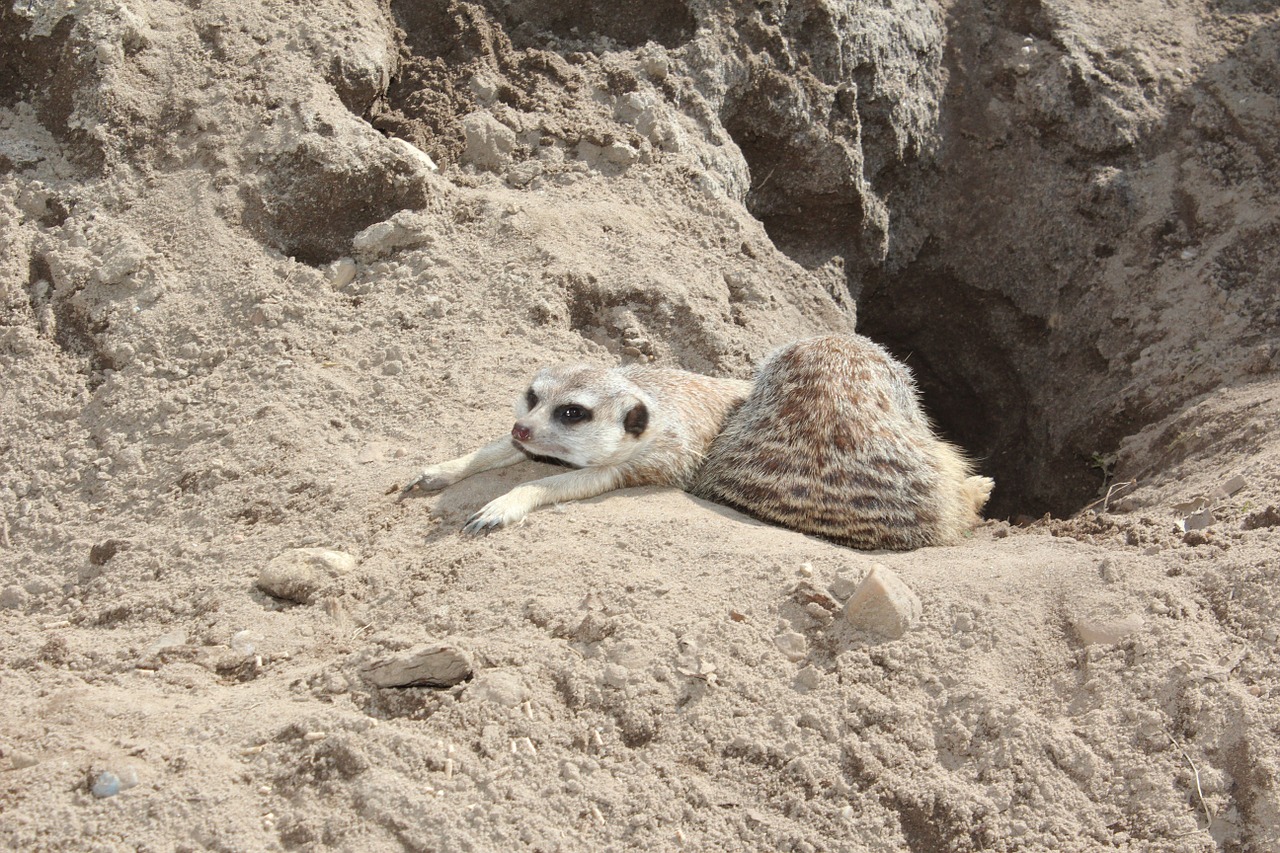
x,y
582,416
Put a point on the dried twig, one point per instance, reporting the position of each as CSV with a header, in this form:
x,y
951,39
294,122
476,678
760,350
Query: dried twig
x,y
1105,500
1208,816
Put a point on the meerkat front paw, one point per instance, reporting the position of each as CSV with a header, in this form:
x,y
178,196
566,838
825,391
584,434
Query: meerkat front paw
x,y
432,479
499,512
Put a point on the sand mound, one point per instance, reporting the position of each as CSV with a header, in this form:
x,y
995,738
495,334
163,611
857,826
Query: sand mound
x,y
258,264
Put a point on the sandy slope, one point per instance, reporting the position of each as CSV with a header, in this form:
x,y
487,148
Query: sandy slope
x,y
238,316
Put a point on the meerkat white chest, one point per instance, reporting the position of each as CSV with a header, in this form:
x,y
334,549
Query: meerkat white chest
x,y
583,416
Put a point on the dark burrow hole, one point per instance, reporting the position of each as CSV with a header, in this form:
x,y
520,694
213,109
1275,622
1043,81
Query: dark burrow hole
x,y
978,360
982,367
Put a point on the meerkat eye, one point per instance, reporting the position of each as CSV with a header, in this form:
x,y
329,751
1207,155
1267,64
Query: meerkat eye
x,y
531,399
573,414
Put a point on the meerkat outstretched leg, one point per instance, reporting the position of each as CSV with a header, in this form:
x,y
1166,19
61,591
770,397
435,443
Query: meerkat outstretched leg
x,y
629,426
512,507
497,454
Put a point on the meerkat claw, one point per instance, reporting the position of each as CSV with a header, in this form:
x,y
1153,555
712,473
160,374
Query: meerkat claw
x,y
506,511
479,525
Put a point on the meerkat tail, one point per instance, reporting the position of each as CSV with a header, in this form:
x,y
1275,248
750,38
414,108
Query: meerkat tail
x,y
978,490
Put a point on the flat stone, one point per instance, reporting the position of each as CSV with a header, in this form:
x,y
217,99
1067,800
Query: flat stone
x,y
1104,627
883,605
434,665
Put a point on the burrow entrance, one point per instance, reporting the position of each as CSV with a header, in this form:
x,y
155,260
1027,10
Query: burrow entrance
x,y
996,380
981,366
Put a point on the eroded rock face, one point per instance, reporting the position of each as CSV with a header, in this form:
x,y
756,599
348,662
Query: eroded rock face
x,y
816,103
1053,279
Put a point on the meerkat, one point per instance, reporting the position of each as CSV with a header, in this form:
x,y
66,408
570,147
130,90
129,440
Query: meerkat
x,y
833,441
621,427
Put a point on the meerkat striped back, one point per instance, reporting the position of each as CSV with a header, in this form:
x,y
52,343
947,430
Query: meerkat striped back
x,y
832,441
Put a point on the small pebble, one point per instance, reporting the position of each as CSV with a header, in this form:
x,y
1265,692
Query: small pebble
x,y
299,573
243,643
883,605
809,678
341,273
792,644
13,597
108,784
1102,627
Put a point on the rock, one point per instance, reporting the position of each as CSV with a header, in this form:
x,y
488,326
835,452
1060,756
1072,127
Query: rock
x,y
616,676
619,154
244,642
1269,517
13,597
844,586
414,153
809,678
500,688
341,273
405,229
435,665
792,644
523,174
171,640
1105,626
108,784
655,64
101,553
883,605
489,141
298,574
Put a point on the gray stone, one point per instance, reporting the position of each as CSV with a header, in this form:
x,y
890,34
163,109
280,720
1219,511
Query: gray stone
x,y
883,605
300,573
436,665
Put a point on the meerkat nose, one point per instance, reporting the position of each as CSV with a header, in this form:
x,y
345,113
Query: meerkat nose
x,y
520,432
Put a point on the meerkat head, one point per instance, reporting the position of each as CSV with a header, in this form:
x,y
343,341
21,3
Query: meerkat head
x,y
582,416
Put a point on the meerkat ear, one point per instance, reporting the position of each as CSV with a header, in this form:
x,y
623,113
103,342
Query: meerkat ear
x,y
636,420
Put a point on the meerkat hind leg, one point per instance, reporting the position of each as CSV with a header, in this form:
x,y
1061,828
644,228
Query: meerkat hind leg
x,y
496,454
523,499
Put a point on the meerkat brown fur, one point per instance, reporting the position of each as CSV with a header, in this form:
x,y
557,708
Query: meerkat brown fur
x,y
620,427
832,441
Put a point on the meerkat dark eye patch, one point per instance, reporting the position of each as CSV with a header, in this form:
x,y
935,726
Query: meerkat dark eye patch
x,y
531,399
573,414
636,420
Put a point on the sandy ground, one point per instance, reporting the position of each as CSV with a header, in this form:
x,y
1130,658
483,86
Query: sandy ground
x,y
261,263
